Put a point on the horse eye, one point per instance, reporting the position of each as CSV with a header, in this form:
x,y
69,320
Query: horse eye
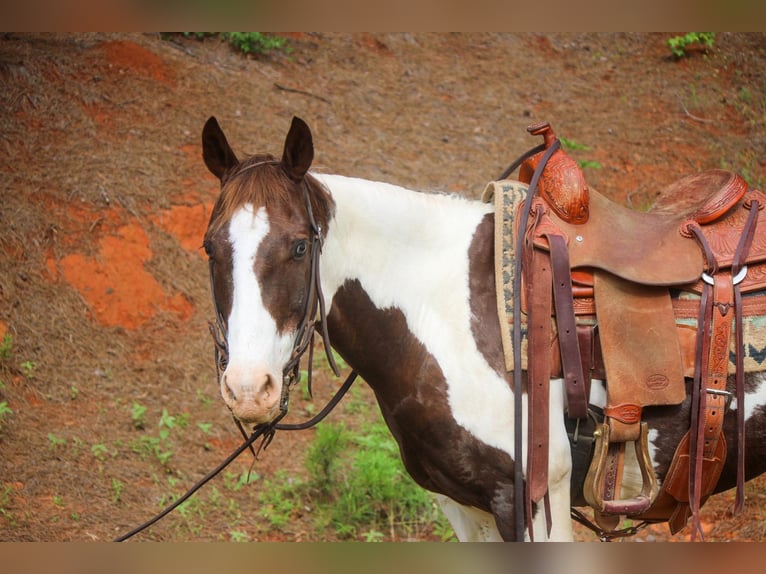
x,y
208,247
300,248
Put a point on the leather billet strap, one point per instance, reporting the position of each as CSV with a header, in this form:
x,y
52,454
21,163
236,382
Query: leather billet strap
x,y
566,326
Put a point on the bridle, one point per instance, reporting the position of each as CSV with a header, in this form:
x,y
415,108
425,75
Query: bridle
x,y
314,313
304,339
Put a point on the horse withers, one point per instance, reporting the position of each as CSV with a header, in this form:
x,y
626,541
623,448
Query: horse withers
x,y
408,283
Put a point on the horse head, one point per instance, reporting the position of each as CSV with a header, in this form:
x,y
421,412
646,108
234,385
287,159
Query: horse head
x,y
263,241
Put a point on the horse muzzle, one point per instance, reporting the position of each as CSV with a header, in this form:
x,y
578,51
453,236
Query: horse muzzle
x,y
253,396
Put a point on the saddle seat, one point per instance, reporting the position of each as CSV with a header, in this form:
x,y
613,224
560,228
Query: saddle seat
x,y
647,248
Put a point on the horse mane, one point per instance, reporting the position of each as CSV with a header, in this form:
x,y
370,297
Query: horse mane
x,y
261,180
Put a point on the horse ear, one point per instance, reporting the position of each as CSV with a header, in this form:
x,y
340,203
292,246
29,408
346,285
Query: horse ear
x,y
299,150
216,152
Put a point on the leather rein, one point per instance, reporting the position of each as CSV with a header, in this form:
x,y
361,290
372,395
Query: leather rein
x,y
304,342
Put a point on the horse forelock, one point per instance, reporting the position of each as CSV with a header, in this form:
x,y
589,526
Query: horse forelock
x,y
261,181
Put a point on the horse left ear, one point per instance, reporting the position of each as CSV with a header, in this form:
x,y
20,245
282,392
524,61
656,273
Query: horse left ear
x,y
299,150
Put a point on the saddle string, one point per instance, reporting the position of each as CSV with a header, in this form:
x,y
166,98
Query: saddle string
x,y
739,259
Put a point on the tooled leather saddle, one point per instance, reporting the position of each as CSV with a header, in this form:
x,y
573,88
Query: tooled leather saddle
x,y
600,295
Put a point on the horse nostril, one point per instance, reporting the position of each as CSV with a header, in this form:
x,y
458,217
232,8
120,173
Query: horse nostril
x,y
229,393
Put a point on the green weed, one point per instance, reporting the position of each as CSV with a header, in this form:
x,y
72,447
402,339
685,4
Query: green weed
x,y
573,145
236,482
279,498
99,451
148,446
679,44
238,536
568,144
28,369
5,410
54,441
6,347
255,42
117,488
5,501
138,416
323,457
245,42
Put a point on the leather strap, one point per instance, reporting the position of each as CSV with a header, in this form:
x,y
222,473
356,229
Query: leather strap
x,y
569,345
539,325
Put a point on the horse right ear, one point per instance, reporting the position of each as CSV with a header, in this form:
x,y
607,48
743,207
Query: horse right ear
x,y
299,150
216,152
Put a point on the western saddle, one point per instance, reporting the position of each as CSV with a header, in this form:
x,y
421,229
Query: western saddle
x,y
600,295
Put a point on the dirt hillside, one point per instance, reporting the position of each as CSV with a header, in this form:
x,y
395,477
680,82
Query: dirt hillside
x,y
106,370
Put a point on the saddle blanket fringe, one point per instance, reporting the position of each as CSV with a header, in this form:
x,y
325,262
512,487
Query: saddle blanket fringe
x,y
507,197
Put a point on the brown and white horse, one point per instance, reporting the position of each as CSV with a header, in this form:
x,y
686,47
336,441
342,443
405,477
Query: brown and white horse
x,y
408,283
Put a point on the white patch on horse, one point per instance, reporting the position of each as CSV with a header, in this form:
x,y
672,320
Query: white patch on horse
x,y
250,325
754,400
410,251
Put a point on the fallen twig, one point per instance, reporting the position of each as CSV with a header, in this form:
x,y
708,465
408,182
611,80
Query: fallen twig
x,y
692,116
309,94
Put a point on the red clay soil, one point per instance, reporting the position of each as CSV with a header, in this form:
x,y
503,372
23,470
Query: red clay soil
x,y
103,287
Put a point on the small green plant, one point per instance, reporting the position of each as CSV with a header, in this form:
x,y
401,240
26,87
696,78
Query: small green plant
x,y
238,536
679,44
566,143
147,446
28,368
117,488
54,441
236,482
577,146
204,399
5,501
255,42
589,163
138,415
5,410
245,42
6,346
373,536
99,451
323,456
279,498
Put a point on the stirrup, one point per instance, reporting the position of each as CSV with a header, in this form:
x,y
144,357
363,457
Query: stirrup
x,y
593,489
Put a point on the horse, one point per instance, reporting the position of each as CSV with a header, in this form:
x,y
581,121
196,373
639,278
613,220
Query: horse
x,y
406,287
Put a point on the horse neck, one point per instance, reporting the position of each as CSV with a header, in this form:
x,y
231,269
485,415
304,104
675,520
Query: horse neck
x,y
391,239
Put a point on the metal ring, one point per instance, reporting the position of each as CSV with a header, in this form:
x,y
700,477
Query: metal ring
x,y
738,278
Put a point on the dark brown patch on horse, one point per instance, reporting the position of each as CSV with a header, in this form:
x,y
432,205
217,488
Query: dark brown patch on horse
x,y
411,390
485,326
